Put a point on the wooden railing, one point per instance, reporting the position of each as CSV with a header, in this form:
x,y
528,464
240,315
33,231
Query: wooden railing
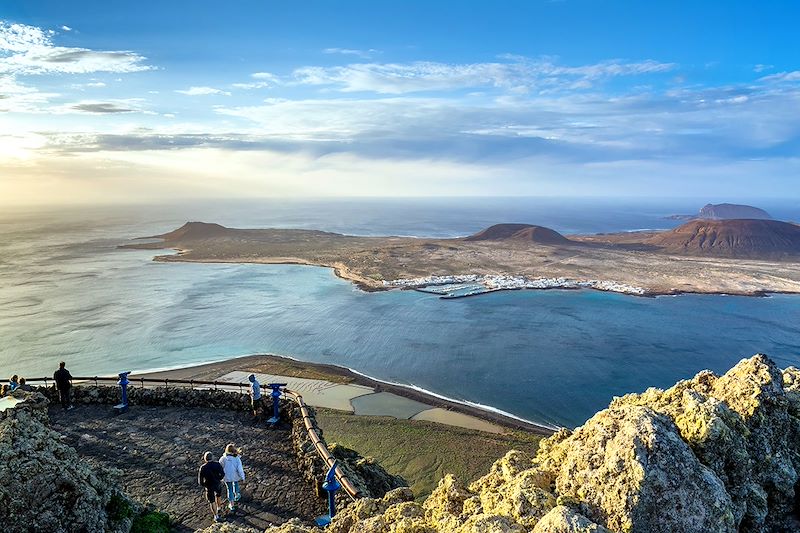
x,y
319,444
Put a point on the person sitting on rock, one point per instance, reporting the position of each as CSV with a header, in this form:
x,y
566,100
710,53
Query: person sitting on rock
x,y
4,390
23,385
255,395
210,477
63,381
234,473
13,383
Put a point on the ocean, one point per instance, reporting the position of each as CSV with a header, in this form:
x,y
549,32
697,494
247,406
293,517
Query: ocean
x,y
551,357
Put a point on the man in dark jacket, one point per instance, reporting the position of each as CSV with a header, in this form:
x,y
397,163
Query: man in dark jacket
x,y
63,381
210,477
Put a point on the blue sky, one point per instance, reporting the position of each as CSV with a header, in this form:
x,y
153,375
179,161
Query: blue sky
x,y
111,101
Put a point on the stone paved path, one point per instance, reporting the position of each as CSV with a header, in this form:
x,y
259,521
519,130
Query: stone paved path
x,y
160,450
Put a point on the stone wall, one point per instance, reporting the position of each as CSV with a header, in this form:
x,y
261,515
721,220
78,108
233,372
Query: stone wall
x,y
155,396
369,477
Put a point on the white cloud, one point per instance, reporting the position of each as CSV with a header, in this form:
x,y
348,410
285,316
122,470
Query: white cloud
x,y
252,85
16,97
265,81
398,78
27,50
762,68
351,52
783,76
202,91
90,85
66,28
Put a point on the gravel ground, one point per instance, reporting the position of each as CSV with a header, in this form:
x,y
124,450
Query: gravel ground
x,y
160,450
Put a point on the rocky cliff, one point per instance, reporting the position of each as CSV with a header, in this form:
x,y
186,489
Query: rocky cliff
x,y
46,486
710,454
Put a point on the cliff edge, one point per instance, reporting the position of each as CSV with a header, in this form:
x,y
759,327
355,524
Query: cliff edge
x,y
710,454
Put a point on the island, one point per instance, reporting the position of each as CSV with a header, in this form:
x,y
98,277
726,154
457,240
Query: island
x,y
741,257
725,212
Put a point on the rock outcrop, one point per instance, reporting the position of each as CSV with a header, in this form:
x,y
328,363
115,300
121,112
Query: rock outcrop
x,y
46,486
710,454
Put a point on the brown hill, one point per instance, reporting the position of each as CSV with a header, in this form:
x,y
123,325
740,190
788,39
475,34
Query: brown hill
x,y
734,238
519,232
195,231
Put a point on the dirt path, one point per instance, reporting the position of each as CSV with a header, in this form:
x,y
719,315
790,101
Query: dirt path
x,y
160,450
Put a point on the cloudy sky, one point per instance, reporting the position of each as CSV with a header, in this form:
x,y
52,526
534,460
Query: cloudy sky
x,y
136,101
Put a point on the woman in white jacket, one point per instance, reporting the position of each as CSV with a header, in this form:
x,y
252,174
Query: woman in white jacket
x,y
234,473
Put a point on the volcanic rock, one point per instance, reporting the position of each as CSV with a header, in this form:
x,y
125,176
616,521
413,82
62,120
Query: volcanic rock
x,y
713,453
46,486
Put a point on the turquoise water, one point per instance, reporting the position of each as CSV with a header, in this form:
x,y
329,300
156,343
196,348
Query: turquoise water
x,y
548,356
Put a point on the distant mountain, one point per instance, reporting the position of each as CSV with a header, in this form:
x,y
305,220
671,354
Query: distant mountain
x,y
725,212
519,232
733,238
731,211
195,231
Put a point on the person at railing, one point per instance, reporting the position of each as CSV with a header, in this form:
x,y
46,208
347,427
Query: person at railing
x,y
63,380
210,477
13,383
255,395
23,385
234,473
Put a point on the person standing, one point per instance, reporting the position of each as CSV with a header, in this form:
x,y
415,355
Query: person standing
x,y
255,394
210,477
63,381
234,473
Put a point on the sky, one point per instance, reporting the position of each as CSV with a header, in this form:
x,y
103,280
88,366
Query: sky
x,y
125,102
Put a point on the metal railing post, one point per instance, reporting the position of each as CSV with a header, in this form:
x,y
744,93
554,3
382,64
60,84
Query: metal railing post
x,y
331,485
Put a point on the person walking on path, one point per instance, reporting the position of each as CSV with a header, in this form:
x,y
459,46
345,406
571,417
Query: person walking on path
x,y
255,395
210,477
63,381
234,473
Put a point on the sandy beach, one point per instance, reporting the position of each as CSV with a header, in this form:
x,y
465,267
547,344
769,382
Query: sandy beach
x,y
341,389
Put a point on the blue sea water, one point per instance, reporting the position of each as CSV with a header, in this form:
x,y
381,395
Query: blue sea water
x,y
555,357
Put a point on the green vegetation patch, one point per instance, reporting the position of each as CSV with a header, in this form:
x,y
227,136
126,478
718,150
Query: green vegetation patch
x,y
422,452
118,508
151,522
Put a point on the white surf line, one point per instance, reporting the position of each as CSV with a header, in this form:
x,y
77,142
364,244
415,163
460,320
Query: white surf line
x,y
468,403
